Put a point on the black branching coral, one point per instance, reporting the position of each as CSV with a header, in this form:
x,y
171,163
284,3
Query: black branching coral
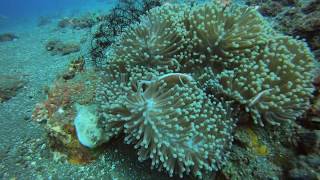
x,y
155,86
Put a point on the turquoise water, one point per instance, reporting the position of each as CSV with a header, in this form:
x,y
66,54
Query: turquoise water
x,y
15,12
19,8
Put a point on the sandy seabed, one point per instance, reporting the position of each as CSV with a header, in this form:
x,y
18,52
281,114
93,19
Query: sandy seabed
x,y
24,151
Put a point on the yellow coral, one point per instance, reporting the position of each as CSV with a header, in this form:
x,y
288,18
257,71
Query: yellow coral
x,y
255,145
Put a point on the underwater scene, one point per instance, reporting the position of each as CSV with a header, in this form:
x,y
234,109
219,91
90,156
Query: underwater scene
x,y
160,89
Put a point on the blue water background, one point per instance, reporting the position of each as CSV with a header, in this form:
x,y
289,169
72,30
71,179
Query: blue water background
x,y
26,13
15,12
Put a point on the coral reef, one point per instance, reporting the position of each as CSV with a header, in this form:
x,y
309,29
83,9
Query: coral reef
x,y
61,48
190,87
7,37
259,153
307,157
311,120
232,56
177,50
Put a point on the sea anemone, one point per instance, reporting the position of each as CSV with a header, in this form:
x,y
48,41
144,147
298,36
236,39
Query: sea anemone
x,y
225,35
172,80
175,124
153,42
276,84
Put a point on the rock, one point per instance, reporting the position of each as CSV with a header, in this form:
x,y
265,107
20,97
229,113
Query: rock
x,y
26,118
75,66
57,114
303,22
77,23
309,141
311,7
69,48
9,85
7,37
314,122
271,9
68,75
51,45
61,48
295,18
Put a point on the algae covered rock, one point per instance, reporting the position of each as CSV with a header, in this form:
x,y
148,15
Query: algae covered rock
x,y
57,114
